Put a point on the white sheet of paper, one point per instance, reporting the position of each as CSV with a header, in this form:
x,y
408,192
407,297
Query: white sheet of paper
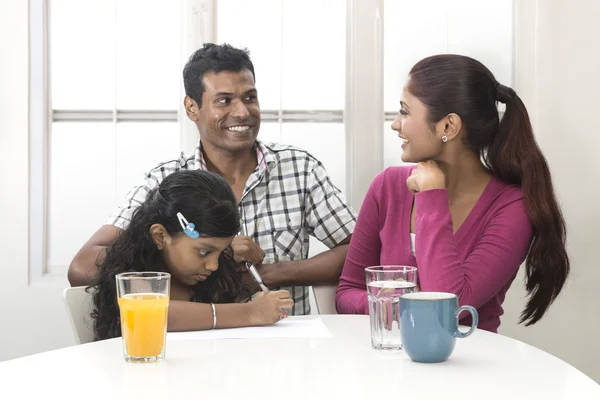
x,y
305,328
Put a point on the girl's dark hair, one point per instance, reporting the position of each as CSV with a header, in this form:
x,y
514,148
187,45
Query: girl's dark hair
x,y
457,84
204,199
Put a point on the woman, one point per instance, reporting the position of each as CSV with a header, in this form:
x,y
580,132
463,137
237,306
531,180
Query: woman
x,y
478,203
185,227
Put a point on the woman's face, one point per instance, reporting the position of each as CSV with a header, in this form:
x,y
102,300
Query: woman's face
x,y
193,260
419,141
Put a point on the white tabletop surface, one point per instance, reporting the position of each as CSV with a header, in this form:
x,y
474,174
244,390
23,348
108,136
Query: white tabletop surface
x,y
483,366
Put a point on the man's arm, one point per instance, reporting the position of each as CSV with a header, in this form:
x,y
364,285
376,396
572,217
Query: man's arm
x,y
330,219
84,266
324,268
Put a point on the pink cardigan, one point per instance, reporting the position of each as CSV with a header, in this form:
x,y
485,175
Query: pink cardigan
x,y
478,263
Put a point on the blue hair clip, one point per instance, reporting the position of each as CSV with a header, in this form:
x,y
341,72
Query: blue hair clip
x,y
188,227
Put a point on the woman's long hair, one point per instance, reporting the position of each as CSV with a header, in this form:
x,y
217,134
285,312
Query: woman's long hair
x,y
457,84
206,200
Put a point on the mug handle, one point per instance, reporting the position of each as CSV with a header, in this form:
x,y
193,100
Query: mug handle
x,y
474,316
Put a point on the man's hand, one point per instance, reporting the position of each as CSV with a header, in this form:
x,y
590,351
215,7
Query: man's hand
x,y
244,249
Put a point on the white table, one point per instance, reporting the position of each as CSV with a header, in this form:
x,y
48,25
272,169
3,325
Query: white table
x,y
483,366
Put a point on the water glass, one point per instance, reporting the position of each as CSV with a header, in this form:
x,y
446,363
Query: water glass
x,y
385,285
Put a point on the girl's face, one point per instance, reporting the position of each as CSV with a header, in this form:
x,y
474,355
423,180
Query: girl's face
x,y
191,260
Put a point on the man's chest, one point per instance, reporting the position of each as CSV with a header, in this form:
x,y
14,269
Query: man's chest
x,y
273,214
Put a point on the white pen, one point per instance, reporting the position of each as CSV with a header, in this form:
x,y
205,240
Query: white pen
x,y
256,276
249,263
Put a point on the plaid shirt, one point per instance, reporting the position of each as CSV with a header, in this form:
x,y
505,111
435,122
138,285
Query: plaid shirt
x,y
288,197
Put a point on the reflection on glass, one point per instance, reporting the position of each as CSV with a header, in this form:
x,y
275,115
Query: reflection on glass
x,y
82,48
81,194
314,61
288,76
417,29
137,38
148,70
141,147
263,39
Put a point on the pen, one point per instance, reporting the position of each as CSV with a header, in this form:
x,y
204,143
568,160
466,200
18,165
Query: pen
x,y
256,276
249,264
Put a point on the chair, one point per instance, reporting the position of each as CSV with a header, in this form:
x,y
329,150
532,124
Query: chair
x,y
325,298
79,307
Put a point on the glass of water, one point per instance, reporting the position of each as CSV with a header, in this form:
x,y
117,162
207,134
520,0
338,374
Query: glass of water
x,y
385,285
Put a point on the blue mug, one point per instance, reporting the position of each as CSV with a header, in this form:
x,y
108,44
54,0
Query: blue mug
x,y
429,325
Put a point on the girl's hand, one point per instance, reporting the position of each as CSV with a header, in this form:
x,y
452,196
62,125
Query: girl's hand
x,y
267,309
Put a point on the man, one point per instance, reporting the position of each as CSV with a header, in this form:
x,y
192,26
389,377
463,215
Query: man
x,y
284,193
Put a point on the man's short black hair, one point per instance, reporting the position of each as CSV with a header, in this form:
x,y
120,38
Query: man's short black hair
x,y
213,58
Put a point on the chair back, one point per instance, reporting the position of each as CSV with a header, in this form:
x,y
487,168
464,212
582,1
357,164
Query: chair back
x,y
79,307
325,298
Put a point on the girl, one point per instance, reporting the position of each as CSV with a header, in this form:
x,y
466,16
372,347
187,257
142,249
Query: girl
x,y
479,202
185,227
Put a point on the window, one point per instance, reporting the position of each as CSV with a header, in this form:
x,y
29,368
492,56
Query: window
x,y
300,77
107,75
113,84
417,29
300,73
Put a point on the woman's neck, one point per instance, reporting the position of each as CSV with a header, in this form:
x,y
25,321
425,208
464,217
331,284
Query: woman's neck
x,y
465,174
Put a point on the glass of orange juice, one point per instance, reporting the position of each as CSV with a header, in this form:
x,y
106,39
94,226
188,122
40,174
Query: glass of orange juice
x,y
144,303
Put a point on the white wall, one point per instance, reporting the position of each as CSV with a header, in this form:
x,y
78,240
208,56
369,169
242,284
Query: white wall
x,y
558,77
32,318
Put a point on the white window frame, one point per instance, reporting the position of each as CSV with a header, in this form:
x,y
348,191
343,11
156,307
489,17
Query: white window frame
x,y
201,19
41,117
364,97
39,120
363,113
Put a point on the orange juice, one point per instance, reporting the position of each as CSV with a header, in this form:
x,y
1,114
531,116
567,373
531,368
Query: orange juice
x,y
143,323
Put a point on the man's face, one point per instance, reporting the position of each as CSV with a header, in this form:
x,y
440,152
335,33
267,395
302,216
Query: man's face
x,y
229,119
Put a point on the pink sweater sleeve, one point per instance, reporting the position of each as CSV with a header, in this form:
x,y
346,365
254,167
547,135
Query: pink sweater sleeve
x,y
495,259
364,250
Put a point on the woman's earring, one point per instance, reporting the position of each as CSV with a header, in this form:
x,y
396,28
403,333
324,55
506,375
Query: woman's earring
x,y
444,138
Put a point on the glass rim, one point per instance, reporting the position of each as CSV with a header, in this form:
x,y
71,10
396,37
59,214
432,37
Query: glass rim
x,y
391,268
142,275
